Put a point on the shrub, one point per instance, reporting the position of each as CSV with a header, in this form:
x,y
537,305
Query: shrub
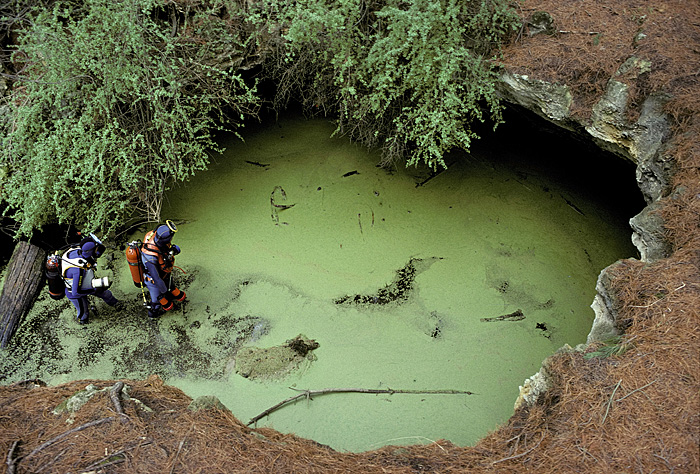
x,y
115,101
407,76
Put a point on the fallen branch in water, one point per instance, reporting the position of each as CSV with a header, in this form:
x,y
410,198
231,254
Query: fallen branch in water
x,y
514,316
308,394
275,208
572,205
262,165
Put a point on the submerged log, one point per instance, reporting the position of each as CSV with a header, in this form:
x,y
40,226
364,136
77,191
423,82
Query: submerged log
x,y
23,280
516,315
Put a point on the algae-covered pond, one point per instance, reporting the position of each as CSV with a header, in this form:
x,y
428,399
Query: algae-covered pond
x,y
464,281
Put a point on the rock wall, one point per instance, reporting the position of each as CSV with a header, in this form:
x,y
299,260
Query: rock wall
x,y
643,142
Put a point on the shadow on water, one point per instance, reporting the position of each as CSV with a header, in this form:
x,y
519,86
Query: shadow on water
x,y
534,146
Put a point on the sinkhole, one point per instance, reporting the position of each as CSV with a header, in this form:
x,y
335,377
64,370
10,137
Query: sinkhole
x,y
430,297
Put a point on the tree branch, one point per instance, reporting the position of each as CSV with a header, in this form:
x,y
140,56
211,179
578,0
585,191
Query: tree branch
x,y
310,393
68,433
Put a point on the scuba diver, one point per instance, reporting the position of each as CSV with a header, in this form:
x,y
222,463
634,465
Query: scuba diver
x,y
78,266
158,258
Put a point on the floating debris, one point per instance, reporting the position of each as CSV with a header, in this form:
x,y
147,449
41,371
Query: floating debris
x,y
546,332
262,165
399,289
276,208
516,315
436,328
572,205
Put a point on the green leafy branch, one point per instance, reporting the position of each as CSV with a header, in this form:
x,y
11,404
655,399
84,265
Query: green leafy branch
x,y
114,105
409,77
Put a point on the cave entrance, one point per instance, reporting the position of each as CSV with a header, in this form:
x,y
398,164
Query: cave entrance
x,y
568,157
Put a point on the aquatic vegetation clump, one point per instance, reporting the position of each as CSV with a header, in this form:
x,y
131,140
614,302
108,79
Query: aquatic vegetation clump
x,y
270,363
398,290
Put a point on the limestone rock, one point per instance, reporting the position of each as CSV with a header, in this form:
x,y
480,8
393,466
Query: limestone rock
x,y
540,22
608,127
551,101
648,234
206,402
641,142
633,67
77,401
538,384
654,167
531,389
604,306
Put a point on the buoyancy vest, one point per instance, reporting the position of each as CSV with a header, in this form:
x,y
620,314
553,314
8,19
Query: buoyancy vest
x,y
165,259
86,277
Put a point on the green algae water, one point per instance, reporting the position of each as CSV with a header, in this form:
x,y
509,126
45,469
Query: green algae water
x,y
463,280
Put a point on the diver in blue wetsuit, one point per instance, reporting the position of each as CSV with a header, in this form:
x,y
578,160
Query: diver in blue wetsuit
x,y
78,272
158,258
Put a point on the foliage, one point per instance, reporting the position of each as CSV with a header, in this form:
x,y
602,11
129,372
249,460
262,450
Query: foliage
x,y
116,101
409,76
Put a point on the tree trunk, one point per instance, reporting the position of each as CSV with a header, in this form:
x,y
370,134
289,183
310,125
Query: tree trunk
x,y
23,280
